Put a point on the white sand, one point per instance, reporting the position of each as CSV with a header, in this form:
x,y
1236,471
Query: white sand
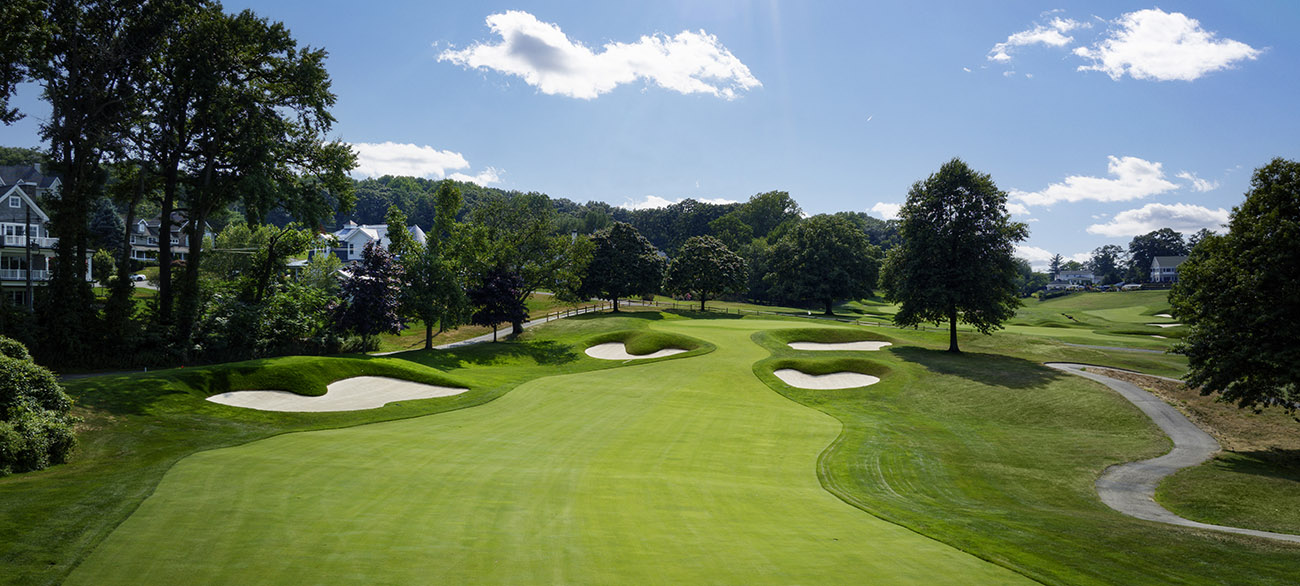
x,y
1165,315
865,345
835,380
618,351
1159,336
349,394
1165,325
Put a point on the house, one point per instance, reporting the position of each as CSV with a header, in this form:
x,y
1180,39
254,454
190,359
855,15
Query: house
x,y
1075,277
146,234
26,249
352,239
1164,269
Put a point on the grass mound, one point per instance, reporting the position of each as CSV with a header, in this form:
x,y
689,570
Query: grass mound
x,y
821,366
826,335
644,341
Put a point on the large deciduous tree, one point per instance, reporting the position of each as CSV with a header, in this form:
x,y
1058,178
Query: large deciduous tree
x,y
518,234
25,30
1236,293
955,262
623,263
434,290
1107,264
498,299
822,259
706,268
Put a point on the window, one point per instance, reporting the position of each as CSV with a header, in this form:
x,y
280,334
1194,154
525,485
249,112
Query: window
x,y
15,202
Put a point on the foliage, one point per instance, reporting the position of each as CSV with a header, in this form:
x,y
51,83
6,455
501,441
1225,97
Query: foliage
x,y
25,33
1028,281
822,259
371,295
764,212
434,287
1236,293
955,262
400,241
706,268
1143,249
1107,264
1054,268
496,298
106,227
103,267
732,231
294,319
321,272
517,235
35,429
623,264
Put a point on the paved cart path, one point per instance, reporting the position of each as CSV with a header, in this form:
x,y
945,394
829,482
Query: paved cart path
x,y
1130,488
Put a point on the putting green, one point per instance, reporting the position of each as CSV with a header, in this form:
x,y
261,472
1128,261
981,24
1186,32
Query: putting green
x,y
687,470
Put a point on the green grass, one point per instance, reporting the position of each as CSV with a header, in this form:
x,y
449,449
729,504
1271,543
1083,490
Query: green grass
x,y
571,469
1253,490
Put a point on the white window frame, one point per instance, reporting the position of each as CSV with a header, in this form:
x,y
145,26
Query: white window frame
x,y
15,201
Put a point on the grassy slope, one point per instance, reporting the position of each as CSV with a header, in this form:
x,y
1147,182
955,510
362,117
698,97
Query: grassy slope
x,y
412,338
137,426
668,472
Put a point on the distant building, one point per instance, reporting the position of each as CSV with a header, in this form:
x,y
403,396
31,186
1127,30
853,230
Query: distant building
x,y
145,236
352,239
1164,269
23,224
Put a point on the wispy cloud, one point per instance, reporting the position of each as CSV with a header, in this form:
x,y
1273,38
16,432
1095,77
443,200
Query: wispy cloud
x,y
654,201
1040,258
1154,216
546,58
405,159
1153,44
1201,185
1051,34
1132,178
886,211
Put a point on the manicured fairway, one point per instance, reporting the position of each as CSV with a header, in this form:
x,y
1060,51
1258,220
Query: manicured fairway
x,y
685,470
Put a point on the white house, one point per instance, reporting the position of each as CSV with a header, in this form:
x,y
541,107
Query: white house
x,y
1071,279
1164,269
352,239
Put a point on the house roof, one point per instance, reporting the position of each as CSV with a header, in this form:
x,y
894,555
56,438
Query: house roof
x,y
13,174
17,189
1167,261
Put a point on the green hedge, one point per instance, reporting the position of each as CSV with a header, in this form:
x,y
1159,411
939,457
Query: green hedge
x,y
35,428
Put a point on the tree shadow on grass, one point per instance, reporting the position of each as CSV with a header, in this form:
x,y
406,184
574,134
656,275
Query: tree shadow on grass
x,y
988,369
133,394
697,314
544,352
1272,463
627,313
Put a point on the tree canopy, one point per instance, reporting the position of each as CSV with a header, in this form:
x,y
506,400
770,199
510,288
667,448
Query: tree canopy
x,y
623,263
497,295
955,262
1236,293
1107,264
705,267
822,259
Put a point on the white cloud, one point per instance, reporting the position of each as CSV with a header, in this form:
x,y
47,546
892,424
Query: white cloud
x,y
1051,34
886,211
654,201
485,177
1201,185
403,159
1134,178
1080,257
1153,44
545,57
966,69
1154,216
1017,209
1040,258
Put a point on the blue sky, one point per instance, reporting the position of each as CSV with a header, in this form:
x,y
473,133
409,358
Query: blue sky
x,y
1101,119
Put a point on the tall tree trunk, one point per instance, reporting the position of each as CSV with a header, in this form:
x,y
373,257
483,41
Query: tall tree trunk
x,y
829,303
952,330
165,292
428,336
615,304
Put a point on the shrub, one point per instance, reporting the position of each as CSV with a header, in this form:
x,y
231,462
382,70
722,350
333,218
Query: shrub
x,y
35,429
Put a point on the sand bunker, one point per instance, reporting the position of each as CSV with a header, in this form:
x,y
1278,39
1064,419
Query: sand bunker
x,y
349,394
618,351
1159,336
835,380
1165,315
1165,325
865,345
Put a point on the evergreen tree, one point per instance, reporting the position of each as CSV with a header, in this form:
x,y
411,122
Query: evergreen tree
x,y
106,228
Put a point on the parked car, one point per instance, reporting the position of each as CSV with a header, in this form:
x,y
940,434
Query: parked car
x,y
138,277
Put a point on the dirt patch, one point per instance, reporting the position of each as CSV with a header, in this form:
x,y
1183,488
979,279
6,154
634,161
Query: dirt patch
x,y
1237,430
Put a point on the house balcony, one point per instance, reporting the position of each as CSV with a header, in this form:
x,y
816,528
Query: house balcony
x,y
21,275
20,241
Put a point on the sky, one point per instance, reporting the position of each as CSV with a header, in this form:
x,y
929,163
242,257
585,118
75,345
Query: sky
x,y
1101,120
